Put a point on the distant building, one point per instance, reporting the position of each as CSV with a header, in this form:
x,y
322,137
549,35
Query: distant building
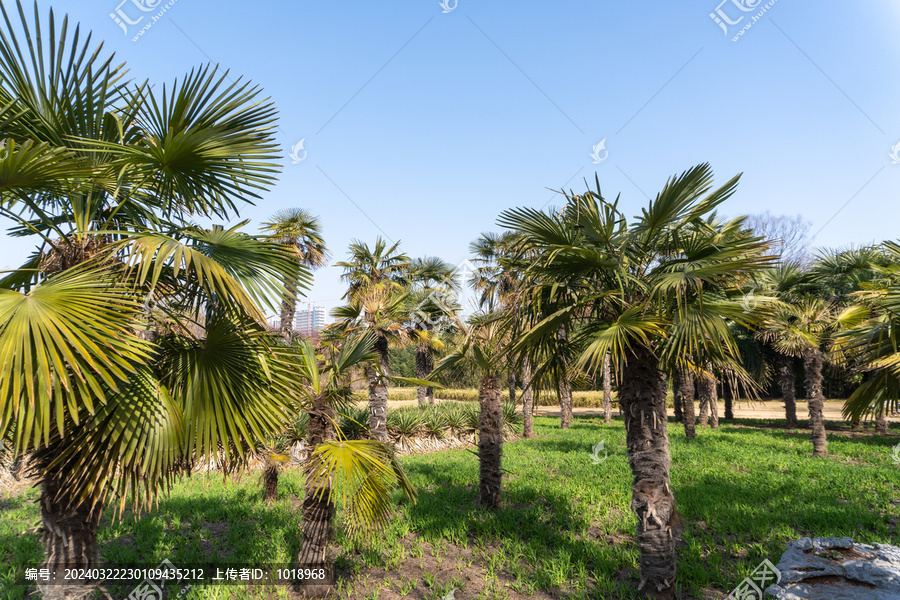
x,y
310,321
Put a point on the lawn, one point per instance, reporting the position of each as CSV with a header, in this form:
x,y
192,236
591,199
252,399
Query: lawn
x,y
565,530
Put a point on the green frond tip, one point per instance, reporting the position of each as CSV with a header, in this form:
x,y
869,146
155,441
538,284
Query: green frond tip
x,y
363,473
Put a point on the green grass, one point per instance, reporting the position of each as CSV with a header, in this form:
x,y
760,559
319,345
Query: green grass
x,y
566,529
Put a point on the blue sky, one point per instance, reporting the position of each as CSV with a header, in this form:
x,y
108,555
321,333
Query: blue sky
x,y
421,126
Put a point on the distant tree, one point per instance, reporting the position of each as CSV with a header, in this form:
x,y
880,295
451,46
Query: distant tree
x,y
377,302
872,345
301,232
432,299
788,237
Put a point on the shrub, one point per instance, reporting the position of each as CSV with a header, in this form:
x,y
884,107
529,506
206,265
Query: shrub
x,y
354,423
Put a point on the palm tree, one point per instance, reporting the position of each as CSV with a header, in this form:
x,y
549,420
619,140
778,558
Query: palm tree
x,y
629,283
433,288
498,280
367,267
607,391
789,283
149,351
377,302
683,390
382,310
364,470
872,344
804,329
482,346
301,232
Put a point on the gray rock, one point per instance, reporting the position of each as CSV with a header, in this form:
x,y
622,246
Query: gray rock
x,y
838,569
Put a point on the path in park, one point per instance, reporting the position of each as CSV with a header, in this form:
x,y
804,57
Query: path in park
x,y
742,410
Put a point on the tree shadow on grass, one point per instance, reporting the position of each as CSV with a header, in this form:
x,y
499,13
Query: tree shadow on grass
x,y
800,433
532,521
211,527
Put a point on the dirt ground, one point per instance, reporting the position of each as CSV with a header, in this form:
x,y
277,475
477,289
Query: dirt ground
x,y
769,409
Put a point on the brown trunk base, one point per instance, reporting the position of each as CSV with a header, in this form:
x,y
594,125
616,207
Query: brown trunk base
x,y
642,397
68,530
527,401
565,405
490,442
270,483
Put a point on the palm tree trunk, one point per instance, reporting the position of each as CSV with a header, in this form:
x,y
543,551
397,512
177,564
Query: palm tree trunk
x,y
378,393
490,441
703,392
812,359
422,372
318,510
270,482
677,403
429,367
728,393
565,404
607,391
684,389
288,308
713,393
786,382
642,398
511,376
68,527
527,400
881,424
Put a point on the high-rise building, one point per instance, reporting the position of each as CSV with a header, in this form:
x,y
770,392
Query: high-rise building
x,y
310,320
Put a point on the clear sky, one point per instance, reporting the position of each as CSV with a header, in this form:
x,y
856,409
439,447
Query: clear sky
x,y
422,125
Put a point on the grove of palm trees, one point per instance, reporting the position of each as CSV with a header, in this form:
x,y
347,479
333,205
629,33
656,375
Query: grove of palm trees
x,y
611,394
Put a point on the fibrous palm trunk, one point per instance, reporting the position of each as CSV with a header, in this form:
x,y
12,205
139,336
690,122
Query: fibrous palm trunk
x,y
490,441
429,367
881,424
527,400
288,308
703,391
607,391
812,360
728,393
786,382
642,398
68,527
677,403
512,386
318,510
713,394
270,482
422,351
378,392
565,403
683,384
